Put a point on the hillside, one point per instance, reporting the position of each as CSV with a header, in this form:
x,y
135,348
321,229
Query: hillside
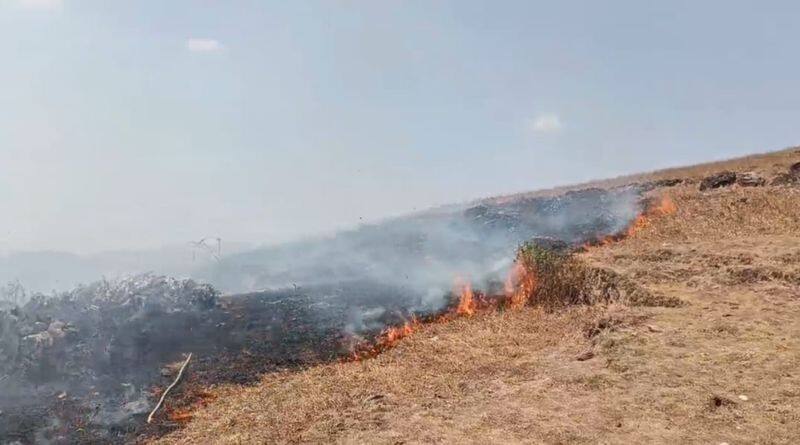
x,y
721,367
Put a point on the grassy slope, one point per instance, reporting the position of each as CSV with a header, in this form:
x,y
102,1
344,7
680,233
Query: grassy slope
x,y
657,374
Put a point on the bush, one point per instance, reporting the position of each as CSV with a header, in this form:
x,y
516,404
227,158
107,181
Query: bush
x,y
559,278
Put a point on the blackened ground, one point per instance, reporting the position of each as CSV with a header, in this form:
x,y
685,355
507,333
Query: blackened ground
x,y
235,340
278,331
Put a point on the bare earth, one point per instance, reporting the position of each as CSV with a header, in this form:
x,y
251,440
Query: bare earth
x,y
722,368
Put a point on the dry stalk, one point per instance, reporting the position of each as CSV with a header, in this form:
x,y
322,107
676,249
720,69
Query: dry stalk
x,y
164,395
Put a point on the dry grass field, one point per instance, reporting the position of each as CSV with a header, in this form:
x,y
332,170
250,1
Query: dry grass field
x,y
724,367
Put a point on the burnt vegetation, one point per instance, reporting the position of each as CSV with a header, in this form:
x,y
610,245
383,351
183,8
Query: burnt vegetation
x,y
88,365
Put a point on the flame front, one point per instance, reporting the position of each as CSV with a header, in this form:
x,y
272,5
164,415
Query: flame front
x,y
666,206
639,223
519,289
387,339
394,334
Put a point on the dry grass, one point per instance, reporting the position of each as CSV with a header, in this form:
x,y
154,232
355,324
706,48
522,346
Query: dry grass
x,y
768,165
729,214
471,380
645,374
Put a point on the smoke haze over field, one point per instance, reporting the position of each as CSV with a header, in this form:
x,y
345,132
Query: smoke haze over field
x,y
426,252
423,252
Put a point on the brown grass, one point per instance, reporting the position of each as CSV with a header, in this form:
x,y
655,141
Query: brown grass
x,y
456,382
645,374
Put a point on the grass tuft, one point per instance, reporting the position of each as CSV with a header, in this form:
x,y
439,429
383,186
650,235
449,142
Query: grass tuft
x,y
563,279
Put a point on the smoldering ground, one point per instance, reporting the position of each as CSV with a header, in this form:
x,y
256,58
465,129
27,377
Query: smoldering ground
x,y
78,366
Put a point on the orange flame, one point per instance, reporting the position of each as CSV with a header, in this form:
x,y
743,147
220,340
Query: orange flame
x,y
394,334
387,339
466,301
520,286
640,222
519,289
666,206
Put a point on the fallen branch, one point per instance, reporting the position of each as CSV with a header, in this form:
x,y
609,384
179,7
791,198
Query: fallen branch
x,y
166,391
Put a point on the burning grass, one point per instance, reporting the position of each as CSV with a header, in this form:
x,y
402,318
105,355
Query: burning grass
x,y
511,370
540,276
549,277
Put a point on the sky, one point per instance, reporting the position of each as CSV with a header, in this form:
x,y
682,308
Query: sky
x,y
135,124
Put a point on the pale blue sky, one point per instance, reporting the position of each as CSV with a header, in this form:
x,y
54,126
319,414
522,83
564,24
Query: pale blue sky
x,y
140,123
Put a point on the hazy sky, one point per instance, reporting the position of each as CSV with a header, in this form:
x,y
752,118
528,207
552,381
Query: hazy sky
x,y
138,123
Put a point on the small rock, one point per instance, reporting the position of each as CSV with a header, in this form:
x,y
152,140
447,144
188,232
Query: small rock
x,y
750,179
652,328
795,169
717,401
721,179
785,179
585,355
650,185
668,182
743,397
62,396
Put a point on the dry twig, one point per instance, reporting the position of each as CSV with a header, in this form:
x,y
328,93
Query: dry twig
x,y
166,391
